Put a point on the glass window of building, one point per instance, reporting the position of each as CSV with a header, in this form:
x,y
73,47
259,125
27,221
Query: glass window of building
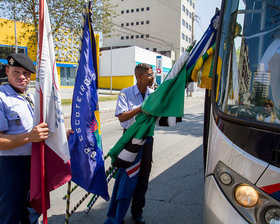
x,y
142,9
127,11
142,35
132,10
183,50
137,10
183,36
137,36
122,12
183,22
148,8
131,37
122,25
122,37
137,23
142,22
154,49
127,37
147,35
67,76
132,24
183,8
190,27
127,24
5,50
147,22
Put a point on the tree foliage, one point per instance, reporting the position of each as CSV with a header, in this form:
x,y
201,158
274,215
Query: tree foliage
x,y
64,15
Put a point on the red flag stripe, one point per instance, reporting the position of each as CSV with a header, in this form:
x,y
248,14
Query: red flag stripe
x,y
42,148
133,169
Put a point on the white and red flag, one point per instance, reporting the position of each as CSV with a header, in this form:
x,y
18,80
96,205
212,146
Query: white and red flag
x,y
50,166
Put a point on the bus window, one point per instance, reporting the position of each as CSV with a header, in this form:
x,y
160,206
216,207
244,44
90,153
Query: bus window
x,y
250,76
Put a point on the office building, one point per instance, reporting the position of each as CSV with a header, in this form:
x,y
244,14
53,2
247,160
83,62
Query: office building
x,y
162,26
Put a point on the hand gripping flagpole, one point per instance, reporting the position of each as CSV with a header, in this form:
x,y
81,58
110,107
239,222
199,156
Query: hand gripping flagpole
x,y
42,144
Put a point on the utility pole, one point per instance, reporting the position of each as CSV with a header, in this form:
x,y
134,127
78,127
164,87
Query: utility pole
x,y
193,27
15,23
111,55
111,67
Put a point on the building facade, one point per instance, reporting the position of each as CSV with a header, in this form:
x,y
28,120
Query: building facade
x,y
162,26
66,48
117,66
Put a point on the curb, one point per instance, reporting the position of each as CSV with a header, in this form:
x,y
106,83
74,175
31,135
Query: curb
x,y
196,94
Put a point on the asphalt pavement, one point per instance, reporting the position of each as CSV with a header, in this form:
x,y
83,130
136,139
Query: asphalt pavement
x,y
175,192
110,106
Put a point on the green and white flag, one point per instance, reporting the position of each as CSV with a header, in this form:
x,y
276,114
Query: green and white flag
x,y
166,101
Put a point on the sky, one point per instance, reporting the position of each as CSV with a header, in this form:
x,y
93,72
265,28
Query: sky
x,y
205,10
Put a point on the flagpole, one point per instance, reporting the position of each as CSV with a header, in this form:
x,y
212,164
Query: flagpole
x,y
43,174
42,145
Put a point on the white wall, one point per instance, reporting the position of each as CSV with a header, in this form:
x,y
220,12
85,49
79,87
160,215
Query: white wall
x,y
149,57
123,62
125,59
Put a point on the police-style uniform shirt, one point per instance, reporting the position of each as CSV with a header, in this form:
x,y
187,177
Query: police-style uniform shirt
x,y
16,117
129,99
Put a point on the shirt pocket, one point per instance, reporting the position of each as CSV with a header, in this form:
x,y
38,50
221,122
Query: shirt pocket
x,y
14,120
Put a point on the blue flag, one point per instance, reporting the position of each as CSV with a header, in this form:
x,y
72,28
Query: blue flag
x,y
87,161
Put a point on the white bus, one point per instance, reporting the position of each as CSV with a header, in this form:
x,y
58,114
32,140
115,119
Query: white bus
x,y
242,116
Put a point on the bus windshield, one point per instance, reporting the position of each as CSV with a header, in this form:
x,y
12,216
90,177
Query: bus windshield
x,y
249,54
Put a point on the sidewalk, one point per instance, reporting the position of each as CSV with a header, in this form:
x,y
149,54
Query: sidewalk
x,y
104,106
110,106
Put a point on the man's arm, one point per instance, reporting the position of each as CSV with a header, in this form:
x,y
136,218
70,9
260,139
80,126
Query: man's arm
x,y
125,116
37,134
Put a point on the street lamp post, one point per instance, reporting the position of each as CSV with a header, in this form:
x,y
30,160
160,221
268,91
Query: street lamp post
x,y
111,67
15,23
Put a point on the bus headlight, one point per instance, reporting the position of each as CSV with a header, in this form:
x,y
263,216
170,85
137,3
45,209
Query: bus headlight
x,y
246,196
272,216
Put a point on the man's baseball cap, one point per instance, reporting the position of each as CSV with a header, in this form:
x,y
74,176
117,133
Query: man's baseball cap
x,y
21,60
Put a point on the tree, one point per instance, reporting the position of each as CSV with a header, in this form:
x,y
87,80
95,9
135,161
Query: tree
x,y
65,17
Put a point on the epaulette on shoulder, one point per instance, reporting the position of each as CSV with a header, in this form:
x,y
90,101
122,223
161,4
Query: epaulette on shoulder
x,y
121,94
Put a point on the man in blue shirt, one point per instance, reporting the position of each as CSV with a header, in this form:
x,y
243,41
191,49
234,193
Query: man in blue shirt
x,y
128,106
16,136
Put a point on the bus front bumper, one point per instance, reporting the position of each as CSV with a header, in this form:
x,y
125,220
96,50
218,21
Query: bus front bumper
x,y
217,209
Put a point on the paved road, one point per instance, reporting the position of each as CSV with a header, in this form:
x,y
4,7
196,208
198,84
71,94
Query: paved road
x,y
175,192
